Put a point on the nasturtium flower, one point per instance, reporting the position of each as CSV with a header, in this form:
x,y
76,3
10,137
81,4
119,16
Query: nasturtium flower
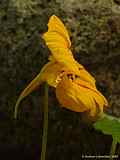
x,y
78,95
75,87
58,41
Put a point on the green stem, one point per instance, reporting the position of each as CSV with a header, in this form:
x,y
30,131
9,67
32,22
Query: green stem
x,y
113,148
45,125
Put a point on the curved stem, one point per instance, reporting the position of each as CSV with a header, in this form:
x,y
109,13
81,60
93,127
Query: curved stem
x,y
45,123
113,148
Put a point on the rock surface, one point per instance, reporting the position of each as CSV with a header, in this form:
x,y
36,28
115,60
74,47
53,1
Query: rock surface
x,y
94,28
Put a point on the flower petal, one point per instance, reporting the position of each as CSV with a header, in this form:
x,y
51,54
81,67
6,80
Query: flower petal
x,y
56,25
73,96
58,47
54,40
85,75
79,97
49,73
98,97
57,40
68,61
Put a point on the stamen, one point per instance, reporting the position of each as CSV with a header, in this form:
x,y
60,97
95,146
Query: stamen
x,y
59,77
70,76
76,76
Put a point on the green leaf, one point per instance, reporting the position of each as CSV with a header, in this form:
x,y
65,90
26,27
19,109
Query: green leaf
x,y
109,125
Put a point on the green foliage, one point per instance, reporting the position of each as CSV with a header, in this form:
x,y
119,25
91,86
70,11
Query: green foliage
x,y
109,125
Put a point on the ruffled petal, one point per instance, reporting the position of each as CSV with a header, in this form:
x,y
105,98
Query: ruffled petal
x,y
56,25
72,96
80,97
85,75
54,40
57,40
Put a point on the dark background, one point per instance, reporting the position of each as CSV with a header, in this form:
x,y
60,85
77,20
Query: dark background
x,y
94,28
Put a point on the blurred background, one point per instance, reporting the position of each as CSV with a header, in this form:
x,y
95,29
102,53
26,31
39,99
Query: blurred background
x,y
94,28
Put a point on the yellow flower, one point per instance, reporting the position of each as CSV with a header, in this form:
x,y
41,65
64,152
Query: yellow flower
x,y
75,87
58,41
50,73
79,96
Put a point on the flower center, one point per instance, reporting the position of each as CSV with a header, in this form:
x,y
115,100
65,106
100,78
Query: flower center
x,y
59,77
